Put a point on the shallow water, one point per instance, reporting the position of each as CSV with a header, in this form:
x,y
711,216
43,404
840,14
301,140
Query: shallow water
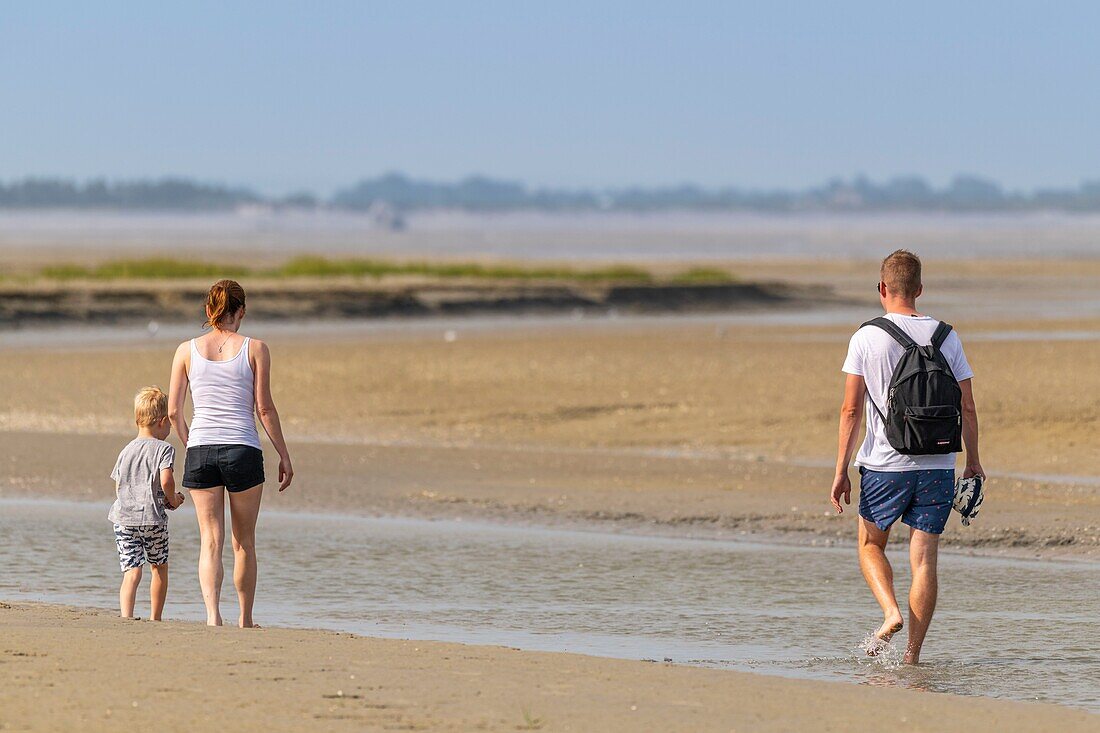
x,y
1019,629
659,235
154,335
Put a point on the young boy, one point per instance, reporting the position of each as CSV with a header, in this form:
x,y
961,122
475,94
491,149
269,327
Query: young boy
x,y
143,485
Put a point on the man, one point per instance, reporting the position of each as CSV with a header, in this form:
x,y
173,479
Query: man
x,y
918,489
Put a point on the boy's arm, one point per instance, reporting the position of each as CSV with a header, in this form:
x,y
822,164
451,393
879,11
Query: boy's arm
x,y
851,414
168,485
970,431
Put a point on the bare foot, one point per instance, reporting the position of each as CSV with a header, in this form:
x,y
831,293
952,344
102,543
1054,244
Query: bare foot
x,y
214,621
890,626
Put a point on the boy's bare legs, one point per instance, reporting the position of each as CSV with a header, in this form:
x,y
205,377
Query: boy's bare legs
x,y
923,556
158,590
210,510
244,507
127,592
879,576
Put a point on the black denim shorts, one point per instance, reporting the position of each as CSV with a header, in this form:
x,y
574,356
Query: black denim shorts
x,y
236,467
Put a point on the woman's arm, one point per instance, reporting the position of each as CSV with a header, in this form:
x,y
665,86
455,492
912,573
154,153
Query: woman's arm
x,y
269,416
177,391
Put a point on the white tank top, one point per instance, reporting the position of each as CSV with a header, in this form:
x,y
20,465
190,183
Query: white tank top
x,y
224,399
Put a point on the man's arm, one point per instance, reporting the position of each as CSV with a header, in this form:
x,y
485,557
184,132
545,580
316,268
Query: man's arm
x,y
851,415
970,431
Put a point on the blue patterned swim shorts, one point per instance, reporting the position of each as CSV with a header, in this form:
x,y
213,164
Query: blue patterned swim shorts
x,y
135,544
921,499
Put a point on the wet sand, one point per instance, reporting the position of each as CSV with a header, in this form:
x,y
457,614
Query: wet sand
x,y
722,426
82,669
699,424
702,602
42,302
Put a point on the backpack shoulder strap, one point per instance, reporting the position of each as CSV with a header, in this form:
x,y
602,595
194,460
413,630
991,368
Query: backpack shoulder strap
x,y
889,327
941,334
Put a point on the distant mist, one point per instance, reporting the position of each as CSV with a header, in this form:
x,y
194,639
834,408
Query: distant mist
x,y
396,192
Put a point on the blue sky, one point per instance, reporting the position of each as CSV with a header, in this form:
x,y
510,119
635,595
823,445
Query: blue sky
x,y
288,95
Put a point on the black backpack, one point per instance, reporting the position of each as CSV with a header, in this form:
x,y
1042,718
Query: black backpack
x,y
924,401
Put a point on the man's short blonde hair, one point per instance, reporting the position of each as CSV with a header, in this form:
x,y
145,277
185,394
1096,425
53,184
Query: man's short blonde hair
x,y
901,273
150,406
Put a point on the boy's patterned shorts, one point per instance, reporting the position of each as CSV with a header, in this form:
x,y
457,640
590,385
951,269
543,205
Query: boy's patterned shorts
x,y
136,544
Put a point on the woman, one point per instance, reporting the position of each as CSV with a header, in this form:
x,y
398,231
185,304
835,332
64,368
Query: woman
x,y
229,378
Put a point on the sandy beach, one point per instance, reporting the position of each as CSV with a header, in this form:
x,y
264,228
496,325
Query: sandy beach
x,y
702,426
67,669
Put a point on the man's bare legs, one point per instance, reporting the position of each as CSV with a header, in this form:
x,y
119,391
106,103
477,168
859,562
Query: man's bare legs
x,y
244,507
879,576
158,591
127,592
210,510
923,555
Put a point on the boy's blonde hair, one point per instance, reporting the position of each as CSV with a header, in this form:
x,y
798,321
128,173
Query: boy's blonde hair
x,y
150,406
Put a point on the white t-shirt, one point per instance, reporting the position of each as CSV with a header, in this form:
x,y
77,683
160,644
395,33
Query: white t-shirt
x,y
873,354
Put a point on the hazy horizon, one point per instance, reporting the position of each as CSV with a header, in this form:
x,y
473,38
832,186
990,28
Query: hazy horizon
x,y
240,182
281,96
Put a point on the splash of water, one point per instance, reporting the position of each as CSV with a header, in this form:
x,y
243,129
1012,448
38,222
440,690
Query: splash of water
x,y
883,654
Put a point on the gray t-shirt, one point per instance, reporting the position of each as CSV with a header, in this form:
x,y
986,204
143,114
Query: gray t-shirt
x,y
140,501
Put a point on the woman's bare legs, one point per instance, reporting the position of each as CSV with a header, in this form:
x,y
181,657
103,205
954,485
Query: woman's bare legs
x,y
210,510
244,507
158,590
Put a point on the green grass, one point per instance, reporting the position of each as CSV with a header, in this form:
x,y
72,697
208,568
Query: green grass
x,y
321,267
314,266
702,276
157,268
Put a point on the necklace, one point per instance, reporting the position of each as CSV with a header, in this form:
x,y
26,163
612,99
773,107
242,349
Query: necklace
x,y
224,343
